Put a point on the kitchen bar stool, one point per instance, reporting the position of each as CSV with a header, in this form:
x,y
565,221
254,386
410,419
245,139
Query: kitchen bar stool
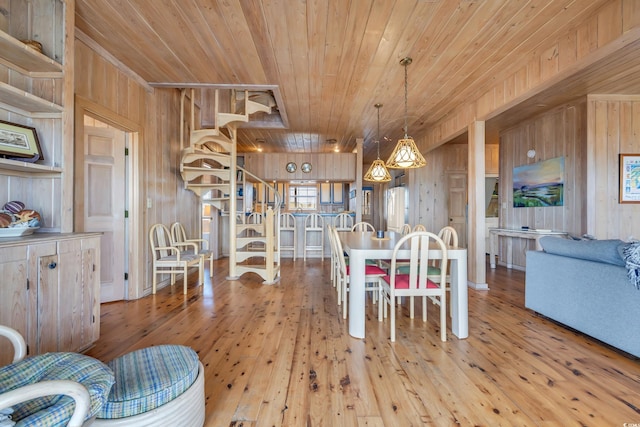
x,y
343,222
313,234
288,227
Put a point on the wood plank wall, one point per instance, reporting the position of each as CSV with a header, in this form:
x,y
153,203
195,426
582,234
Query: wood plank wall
x,y
156,114
428,186
557,133
614,128
544,66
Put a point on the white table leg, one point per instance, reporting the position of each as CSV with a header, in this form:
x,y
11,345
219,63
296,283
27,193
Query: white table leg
x,y
356,297
509,252
459,297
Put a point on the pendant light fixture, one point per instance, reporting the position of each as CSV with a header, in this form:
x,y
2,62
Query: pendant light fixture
x,y
406,155
378,171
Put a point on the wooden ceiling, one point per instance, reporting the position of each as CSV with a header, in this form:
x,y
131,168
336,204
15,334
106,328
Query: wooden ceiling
x,y
332,60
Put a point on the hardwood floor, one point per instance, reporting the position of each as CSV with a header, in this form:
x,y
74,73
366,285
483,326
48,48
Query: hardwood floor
x,y
281,356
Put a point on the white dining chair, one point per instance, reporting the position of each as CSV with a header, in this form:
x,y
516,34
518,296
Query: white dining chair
x,y
373,275
414,283
363,226
171,258
179,236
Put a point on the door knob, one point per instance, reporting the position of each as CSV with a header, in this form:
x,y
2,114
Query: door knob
x,y
52,265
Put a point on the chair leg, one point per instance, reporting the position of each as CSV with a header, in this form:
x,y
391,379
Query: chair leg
x,y
381,301
411,307
155,281
387,300
443,317
184,279
392,321
344,300
424,309
211,265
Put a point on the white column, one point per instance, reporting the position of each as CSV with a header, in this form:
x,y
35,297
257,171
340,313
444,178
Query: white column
x,y
476,218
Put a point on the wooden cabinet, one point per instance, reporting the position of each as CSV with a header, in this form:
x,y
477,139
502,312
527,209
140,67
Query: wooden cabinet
x,y
337,193
14,302
52,292
35,92
331,193
491,159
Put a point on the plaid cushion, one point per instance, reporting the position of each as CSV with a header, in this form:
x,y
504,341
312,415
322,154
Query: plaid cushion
x,y
55,410
148,378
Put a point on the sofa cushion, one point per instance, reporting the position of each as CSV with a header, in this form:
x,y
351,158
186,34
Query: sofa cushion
x,y
148,378
56,410
592,250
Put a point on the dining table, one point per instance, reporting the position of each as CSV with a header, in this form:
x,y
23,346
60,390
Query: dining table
x,y
366,245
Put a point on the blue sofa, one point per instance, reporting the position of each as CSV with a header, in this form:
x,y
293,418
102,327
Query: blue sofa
x,y
584,285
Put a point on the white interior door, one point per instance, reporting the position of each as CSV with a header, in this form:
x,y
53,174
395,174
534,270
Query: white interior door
x,y
104,203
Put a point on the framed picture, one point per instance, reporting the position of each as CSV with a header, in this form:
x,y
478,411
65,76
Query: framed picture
x,y
19,142
629,178
539,184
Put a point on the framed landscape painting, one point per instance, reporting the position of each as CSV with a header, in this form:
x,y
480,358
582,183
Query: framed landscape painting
x,y
629,178
539,184
18,141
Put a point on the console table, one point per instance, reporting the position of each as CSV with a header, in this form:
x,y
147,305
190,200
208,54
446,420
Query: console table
x,y
515,233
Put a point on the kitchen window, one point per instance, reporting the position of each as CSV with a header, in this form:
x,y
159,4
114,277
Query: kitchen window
x,y
303,197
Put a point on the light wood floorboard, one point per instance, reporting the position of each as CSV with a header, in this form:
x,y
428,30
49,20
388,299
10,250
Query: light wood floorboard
x,y
281,355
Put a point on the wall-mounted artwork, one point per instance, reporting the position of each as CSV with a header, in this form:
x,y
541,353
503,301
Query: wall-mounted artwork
x,y
629,178
539,184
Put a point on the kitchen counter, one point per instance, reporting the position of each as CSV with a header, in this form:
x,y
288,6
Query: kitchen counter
x,y
329,214
300,217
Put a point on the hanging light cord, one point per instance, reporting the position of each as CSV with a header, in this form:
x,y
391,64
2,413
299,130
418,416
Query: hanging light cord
x,y
406,108
378,139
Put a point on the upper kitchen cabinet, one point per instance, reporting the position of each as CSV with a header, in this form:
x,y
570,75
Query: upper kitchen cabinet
x,y
36,91
491,159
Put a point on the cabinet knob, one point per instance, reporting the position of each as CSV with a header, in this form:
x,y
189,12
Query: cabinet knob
x,y
52,265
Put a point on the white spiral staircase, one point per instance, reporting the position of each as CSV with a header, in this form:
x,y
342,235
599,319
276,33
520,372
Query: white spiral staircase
x,y
209,169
